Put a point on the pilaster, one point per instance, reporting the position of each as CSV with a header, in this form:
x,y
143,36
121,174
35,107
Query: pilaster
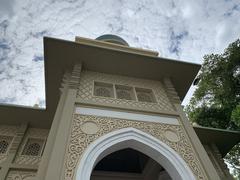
x,y
198,148
53,131
218,162
53,157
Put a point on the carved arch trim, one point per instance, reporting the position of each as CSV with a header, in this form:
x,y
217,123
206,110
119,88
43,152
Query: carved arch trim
x,y
136,139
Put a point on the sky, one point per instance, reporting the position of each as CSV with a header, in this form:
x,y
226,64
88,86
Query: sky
x,y
185,30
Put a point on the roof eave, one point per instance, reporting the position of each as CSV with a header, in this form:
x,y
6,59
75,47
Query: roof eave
x,y
225,140
108,60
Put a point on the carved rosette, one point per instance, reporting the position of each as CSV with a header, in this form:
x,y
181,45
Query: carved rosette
x,y
79,140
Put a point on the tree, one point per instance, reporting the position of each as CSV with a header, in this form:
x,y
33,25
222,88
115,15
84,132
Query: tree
x,y
216,101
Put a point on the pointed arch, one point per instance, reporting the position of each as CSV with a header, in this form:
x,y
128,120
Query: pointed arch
x,y
138,140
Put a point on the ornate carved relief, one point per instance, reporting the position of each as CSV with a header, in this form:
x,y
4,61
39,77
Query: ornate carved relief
x,y
79,140
103,89
5,143
85,92
21,175
38,135
125,92
7,134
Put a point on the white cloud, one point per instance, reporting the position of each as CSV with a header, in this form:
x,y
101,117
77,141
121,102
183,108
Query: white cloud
x,y
183,30
6,8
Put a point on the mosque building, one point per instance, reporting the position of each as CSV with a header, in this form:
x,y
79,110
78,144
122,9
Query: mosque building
x,y
113,112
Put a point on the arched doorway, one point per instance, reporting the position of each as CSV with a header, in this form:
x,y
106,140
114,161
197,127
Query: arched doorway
x,y
128,164
136,140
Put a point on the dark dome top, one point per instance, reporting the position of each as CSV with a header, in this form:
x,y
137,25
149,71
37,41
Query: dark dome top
x,y
112,39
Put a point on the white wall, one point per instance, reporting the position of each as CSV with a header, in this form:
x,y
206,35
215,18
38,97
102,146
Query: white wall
x,y
126,115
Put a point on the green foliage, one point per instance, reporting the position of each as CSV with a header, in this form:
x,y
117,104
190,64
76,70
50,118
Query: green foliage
x,y
218,92
233,159
236,115
216,101
210,117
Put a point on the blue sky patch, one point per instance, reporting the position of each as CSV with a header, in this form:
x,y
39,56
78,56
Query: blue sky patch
x,y
176,39
37,58
4,45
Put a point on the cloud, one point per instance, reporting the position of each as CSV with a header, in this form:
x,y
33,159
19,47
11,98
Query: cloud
x,y
176,40
183,30
6,7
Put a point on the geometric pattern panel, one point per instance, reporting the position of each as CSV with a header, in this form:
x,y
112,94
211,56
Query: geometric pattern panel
x,y
125,92
80,138
32,147
103,89
5,142
21,175
145,95
86,89
7,134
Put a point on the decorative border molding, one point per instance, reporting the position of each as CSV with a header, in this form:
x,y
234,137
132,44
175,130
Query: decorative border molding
x,y
20,175
79,141
74,80
139,140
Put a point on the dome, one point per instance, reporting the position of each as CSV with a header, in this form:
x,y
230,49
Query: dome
x,y
112,39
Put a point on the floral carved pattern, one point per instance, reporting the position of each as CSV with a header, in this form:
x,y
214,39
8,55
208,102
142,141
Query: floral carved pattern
x,y
79,141
85,92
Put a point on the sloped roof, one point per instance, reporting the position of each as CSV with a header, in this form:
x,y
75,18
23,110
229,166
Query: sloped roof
x,y
224,139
